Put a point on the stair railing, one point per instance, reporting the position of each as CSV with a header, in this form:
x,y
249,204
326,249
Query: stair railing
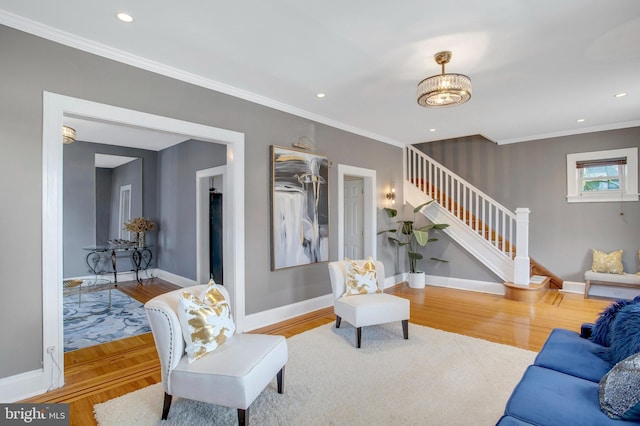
x,y
485,216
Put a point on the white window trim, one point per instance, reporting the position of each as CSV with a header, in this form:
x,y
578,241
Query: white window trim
x,y
630,179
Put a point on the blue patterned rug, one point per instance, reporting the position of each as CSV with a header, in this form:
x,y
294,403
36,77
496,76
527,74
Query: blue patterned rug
x,y
92,322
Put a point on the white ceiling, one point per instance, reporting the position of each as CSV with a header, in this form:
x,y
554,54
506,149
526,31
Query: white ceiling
x,y
536,66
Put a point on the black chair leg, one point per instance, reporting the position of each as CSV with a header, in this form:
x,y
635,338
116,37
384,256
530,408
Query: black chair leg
x,y
166,406
405,328
243,417
280,379
338,320
358,336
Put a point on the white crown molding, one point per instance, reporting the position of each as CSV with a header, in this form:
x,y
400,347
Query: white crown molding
x,y
86,45
592,129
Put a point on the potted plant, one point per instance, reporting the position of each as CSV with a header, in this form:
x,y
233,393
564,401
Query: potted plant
x,y
408,236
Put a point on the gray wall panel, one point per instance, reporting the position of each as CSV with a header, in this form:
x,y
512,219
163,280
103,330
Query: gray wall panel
x,y
177,167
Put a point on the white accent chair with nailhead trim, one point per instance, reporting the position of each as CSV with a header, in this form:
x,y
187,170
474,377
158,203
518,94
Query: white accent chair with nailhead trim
x,y
233,375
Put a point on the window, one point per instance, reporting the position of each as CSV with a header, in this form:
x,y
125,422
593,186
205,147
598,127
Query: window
x,y
603,176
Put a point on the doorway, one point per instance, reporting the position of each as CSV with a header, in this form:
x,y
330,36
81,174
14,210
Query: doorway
x,y
55,108
210,237
369,205
353,217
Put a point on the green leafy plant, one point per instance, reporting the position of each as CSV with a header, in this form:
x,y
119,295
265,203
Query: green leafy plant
x,y
408,236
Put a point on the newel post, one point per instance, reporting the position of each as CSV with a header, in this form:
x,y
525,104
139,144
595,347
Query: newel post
x,y
521,269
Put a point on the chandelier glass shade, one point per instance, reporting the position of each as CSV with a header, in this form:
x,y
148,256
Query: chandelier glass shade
x,y
68,135
444,90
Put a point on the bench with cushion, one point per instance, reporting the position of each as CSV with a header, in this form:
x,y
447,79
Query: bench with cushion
x,y
615,280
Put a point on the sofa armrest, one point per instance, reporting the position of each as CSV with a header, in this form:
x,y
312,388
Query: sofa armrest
x,y
586,329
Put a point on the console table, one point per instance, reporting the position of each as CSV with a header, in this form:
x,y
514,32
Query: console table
x,y
140,259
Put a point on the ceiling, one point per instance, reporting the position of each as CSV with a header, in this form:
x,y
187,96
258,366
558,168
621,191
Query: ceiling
x,y
536,66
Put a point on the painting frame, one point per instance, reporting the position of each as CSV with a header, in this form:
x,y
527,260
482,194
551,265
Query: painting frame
x,y
299,208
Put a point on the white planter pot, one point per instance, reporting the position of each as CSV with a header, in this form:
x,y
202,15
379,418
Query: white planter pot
x,y
416,279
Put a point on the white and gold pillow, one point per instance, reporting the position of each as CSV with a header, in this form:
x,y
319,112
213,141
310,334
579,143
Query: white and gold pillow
x,y
361,279
206,321
610,263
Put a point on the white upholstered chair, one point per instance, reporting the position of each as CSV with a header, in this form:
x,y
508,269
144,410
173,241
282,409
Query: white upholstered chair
x,y
233,375
368,309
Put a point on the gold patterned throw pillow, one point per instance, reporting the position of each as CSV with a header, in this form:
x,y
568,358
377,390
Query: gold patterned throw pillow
x,y
361,279
610,263
206,321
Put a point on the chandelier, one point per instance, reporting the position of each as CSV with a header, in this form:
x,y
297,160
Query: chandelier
x,y
68,134
444,90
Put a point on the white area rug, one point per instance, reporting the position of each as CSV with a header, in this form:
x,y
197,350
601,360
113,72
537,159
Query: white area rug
x,y
434,378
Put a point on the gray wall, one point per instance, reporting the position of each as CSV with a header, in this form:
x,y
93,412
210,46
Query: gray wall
x,y
103,204
177,167
126,174
533,175
79,198
38,65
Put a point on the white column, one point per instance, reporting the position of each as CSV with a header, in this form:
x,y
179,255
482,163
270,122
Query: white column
x,y
521,263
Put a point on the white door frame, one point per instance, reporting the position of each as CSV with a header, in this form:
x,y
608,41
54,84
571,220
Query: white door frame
x,y
202,222
369,208
55,107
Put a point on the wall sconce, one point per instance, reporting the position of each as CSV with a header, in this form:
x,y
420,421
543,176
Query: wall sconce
x,y
391,196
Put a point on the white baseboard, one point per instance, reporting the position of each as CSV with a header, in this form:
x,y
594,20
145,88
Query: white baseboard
x,y
173,278
282,313
22,386
464,284
572,287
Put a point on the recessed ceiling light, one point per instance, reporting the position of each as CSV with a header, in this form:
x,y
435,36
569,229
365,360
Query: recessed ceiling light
x,y
580,120
620,95
432,130
320,95
124,17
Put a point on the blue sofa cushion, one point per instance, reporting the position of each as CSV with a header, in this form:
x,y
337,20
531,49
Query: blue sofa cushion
x,y
624,335
567,352
548,397
619,390
600,332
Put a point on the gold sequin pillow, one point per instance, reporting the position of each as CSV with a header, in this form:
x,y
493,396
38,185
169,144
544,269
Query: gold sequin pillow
x,y
610,263
361,279
206,321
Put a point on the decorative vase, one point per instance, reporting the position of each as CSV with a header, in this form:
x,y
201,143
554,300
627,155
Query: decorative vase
x,y
141,239
416,279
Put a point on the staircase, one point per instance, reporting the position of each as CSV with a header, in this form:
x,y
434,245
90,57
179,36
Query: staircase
x,y
494,235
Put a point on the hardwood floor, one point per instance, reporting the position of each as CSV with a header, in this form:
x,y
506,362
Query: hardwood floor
x,y
103,372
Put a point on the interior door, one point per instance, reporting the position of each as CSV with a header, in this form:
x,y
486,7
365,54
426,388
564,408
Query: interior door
x,y
354,218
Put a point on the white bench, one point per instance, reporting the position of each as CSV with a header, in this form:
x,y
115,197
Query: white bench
x,y
615,280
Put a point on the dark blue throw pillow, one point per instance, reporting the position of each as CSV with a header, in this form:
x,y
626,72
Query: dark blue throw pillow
x,y
624,334
600,332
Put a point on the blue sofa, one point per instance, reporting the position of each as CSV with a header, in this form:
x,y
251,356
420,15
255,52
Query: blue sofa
x,y
562,386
